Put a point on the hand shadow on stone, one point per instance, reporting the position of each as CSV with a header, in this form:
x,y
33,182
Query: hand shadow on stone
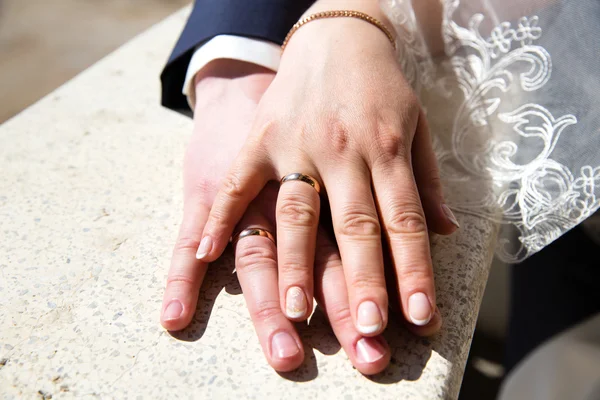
x,y
410,353
221,276
315,335
308,370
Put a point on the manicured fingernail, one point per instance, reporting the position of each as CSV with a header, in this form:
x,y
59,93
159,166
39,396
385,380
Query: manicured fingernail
x,y
283,345
369,350
419,309
204,248
368,318
295,302
173,310
450,215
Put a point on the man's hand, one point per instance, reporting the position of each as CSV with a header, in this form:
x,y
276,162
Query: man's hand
x,y
341,111
228,92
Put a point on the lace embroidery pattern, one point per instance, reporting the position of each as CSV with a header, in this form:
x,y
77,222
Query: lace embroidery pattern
x,y
412,52
497,164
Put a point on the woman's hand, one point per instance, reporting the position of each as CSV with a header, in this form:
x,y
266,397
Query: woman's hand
x,y
340,111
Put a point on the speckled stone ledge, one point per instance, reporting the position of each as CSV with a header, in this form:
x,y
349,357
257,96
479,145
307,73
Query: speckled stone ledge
x,y
90,201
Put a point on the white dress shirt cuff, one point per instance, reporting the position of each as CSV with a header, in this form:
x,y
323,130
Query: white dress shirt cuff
x,y
255,51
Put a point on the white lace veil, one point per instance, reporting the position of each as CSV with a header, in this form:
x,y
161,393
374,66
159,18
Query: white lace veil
x,y
512,93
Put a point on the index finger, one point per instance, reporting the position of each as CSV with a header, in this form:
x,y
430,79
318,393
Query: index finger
x,y
186,272
245,180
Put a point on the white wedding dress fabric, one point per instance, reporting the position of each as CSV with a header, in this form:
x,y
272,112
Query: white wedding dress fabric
x,y
511,89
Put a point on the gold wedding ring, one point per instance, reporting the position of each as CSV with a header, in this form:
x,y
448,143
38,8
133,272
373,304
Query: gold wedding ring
x,y
297,176
251,232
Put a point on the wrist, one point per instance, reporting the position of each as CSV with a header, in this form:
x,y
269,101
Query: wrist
x,y
329,23
341,38
228,70
226,76
369,7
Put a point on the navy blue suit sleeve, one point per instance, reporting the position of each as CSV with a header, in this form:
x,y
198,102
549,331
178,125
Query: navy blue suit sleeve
x,y
262,19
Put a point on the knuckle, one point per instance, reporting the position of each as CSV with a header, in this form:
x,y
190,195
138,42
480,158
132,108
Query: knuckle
x,y
406,222
265,310
339,313
408,114
360,225
185,244
251,257
338,135
267,129
294,267
204,187
433,182
232,185
390,145
180,279
296,211
418,273
367,281
427,173
430,189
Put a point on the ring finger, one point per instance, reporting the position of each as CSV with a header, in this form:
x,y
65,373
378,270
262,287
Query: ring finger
x,y
298,207
256,266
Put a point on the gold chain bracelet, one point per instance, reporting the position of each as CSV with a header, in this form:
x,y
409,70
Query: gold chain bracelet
x,y
336,14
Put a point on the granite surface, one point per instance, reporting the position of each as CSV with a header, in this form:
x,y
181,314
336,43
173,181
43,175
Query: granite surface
x,y
90,201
